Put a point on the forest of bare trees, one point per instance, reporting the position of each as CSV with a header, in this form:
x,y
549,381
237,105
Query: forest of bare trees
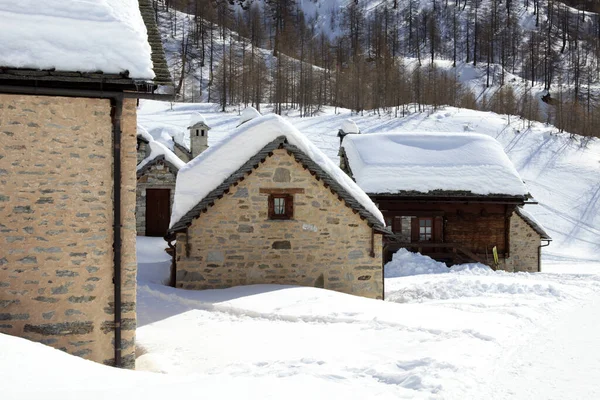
x,y
271,52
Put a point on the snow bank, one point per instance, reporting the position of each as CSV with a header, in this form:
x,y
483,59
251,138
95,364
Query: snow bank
x,y
349,126
422,162
406,263
86,36
207,171
248,114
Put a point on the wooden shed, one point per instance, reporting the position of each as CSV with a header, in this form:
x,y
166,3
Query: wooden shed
x,y
451,196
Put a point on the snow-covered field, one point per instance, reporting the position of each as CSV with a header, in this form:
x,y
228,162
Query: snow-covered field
x,y
469,333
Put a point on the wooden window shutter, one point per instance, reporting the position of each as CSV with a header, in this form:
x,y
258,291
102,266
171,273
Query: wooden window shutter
x,y
438,229
414,229
289,206
271,206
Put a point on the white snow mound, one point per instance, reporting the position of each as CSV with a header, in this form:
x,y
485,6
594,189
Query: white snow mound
x,y
85,36
197,118
349,126
423,162
248,114
207,171
406,263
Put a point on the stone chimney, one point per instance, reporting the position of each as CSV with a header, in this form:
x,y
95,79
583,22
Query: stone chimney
x,y
198,134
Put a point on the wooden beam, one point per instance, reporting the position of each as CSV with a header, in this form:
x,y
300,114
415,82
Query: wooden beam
x,y
281,190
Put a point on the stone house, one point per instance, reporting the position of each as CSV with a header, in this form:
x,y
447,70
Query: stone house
x,y
67,180
156,174
265,206
455,197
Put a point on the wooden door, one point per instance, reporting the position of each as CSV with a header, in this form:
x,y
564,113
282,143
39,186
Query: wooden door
x,y
158,211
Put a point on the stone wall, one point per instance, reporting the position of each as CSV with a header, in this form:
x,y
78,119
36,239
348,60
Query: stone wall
x,y
159,176
56,215
524,243
142,151
325,245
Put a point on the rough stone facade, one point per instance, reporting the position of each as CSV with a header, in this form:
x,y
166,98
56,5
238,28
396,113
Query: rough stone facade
x,y
325,245
142,150
56,216
159,176
524,247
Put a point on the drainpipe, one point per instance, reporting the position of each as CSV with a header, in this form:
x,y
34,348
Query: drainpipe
x,y
116,105
540,253
169,239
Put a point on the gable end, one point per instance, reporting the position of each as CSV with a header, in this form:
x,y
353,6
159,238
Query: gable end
x,y
155,161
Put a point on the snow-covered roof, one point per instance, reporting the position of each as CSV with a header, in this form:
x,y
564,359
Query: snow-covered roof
x,y
214,167
248,114
349,126
421,163
157,151
144,134
533,223
84,36
197,119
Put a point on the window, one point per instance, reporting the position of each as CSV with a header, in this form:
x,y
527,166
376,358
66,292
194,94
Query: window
x,y
281,206
197,132
202,132
425,229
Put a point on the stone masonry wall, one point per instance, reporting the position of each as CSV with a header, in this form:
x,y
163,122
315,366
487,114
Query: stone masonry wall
x,y
56,215
325,245
524,243
142,151
159,176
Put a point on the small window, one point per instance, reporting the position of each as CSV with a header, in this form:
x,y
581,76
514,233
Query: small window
x,y
425,229
202,132
197,132
281,206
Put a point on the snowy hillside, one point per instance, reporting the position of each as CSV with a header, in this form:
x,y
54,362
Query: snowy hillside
x,y
371,46
560,172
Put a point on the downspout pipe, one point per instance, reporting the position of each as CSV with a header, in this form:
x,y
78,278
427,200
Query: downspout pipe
x,y
116,105
540,253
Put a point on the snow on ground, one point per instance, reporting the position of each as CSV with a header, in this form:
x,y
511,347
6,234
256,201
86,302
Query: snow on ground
x,y
561,173
459,334
86,36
